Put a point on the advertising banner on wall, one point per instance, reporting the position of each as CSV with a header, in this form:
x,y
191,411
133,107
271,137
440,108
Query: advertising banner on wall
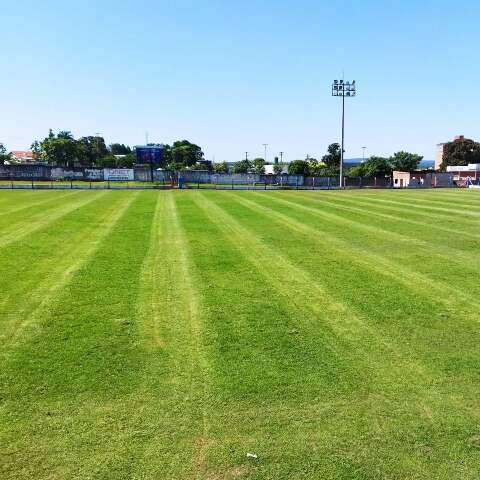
x,y
93,174
118,174
60,172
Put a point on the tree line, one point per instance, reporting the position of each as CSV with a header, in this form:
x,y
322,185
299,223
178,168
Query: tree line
x,y
63,150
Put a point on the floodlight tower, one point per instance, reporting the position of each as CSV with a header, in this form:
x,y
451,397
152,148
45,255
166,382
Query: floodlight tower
x,y
341,88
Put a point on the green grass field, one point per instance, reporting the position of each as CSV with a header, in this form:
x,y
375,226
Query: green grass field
x,y
166,334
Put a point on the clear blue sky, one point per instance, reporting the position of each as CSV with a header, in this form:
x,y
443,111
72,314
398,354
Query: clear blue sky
x,y
231,75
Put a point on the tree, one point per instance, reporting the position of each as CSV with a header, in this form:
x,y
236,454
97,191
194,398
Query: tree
x,y
298,167
90,150
36,150
59,149
460,152
278,168
120,149
4,156
316,168
108,161
126,161
356,171
405,161
186,153
332,158
243,166
258,166
166,155
64,135
377,167
220,167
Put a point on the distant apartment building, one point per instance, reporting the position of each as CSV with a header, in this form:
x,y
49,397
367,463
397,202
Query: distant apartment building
x,y
439,151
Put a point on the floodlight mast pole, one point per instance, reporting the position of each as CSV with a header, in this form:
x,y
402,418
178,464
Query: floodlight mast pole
x,y
343,141
343,89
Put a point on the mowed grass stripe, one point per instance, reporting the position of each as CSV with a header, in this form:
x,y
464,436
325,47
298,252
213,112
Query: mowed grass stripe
x,y
175,382
66,392
40,217
58,253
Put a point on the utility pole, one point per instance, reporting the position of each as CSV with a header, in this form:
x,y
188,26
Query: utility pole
x,y
343,89
363,155
265,146
281,157
246,156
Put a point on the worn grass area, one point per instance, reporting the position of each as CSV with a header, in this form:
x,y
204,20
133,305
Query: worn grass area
x,y
166,334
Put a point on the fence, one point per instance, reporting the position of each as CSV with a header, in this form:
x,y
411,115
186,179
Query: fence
x,y
140,177
207,180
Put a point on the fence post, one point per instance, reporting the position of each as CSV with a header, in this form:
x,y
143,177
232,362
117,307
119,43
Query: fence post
x,y
296,183
313,184
90,184
232,183
198,184
71,184
328,184
360,183
32,183
108,184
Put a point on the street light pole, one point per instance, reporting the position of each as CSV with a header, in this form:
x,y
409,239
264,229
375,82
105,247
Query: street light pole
x,y
363,156
265,146
343,89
